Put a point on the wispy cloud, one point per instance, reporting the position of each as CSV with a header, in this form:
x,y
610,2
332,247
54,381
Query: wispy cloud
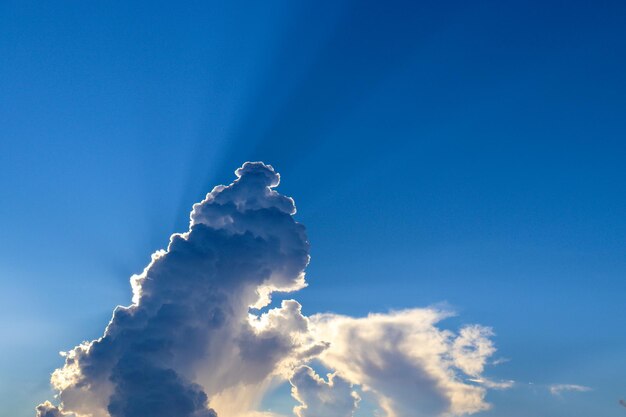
x,y
558,389
500,361
498,385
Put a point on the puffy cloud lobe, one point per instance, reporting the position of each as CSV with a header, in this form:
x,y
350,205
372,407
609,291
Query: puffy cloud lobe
x,y
319,398
189,345
411,366
171,350
48,410
471,349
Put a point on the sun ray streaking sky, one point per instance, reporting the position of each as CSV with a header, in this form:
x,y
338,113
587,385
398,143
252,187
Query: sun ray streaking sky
x,y
458,167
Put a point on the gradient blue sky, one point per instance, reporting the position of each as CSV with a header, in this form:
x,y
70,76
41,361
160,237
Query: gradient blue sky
x,y
465,153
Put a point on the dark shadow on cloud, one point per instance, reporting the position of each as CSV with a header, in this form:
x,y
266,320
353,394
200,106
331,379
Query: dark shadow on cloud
x,y
194,295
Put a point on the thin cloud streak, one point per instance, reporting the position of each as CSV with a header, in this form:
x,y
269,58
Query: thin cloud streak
x,y
558,389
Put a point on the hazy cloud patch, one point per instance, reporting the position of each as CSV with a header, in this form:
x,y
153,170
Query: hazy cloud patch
x,y
558,389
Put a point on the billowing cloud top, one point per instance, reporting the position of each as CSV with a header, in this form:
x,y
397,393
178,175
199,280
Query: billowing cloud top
x,y
189,345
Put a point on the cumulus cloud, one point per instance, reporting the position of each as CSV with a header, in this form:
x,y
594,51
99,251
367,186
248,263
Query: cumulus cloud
x,y
176,345
558,389
410,365
194,344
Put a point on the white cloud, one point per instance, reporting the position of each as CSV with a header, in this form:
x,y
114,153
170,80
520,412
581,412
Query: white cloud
x,y
189,346
411,366
558,389
497,385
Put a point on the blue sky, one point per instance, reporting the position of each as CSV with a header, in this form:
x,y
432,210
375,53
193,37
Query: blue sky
x,y
468,154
